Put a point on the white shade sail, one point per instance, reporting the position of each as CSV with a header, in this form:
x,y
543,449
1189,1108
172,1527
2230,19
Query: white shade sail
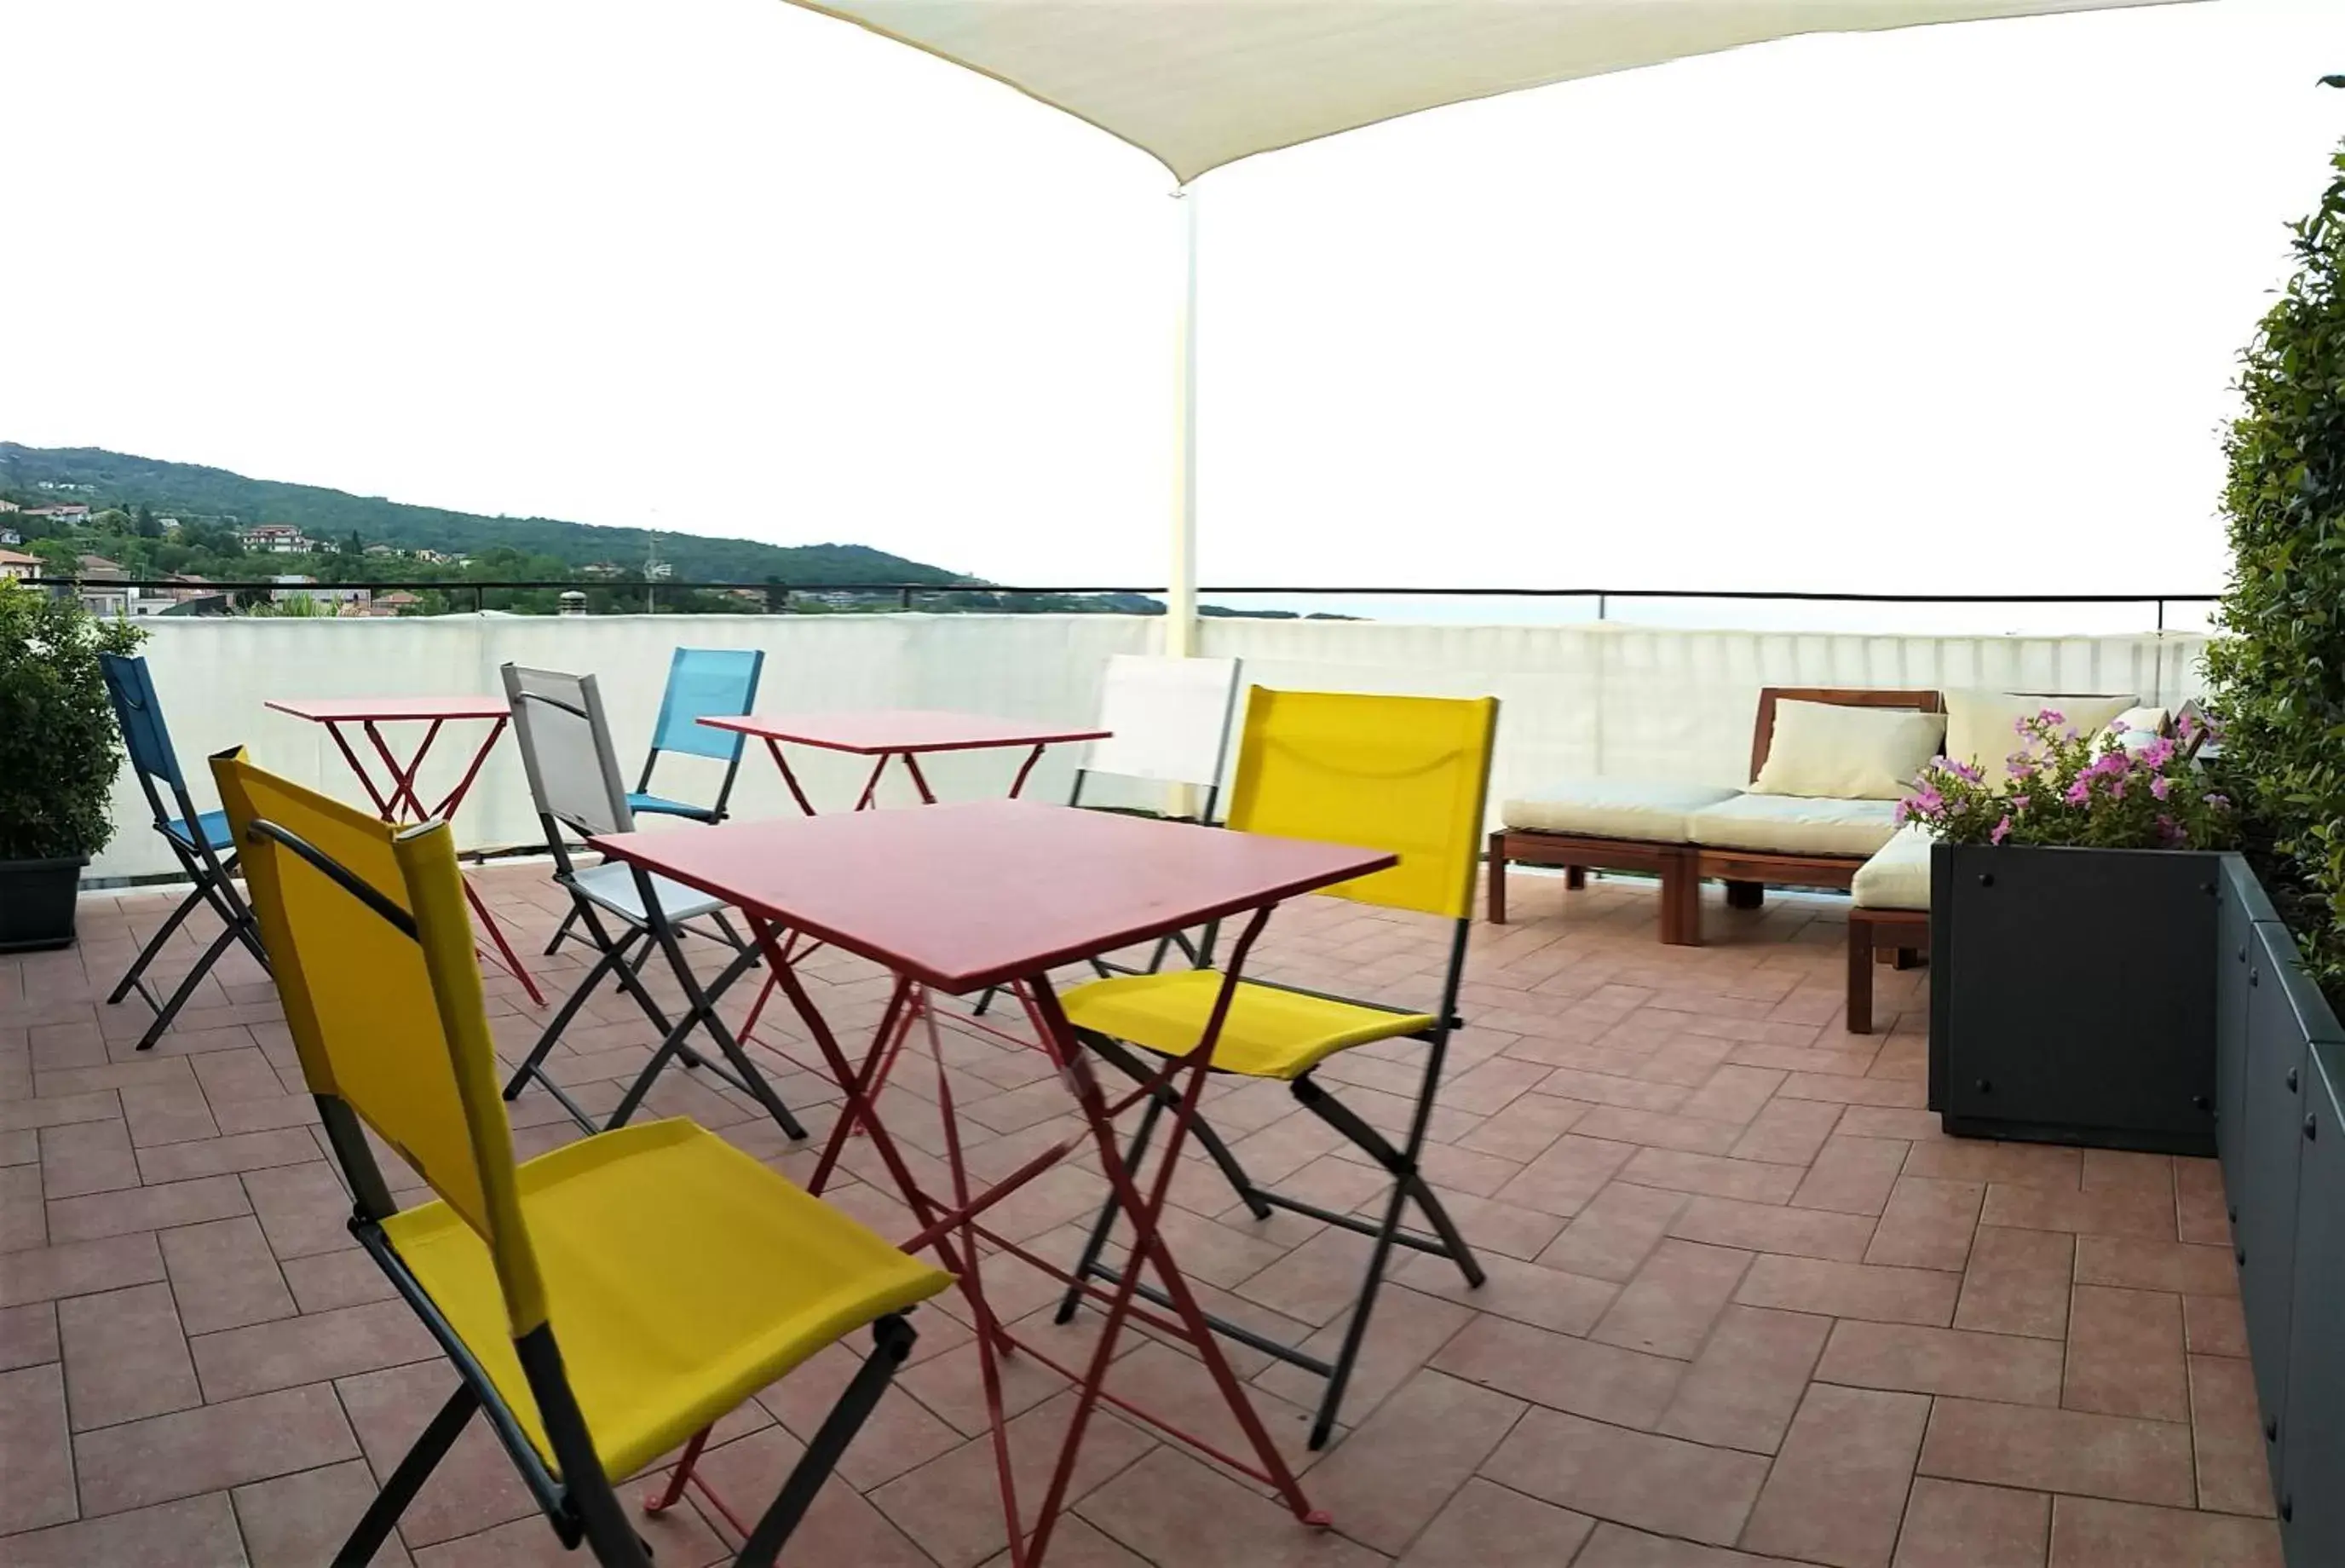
x,y
1197,84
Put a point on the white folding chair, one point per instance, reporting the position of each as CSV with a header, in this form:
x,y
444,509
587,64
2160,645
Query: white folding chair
x,y
1169,720
1169,723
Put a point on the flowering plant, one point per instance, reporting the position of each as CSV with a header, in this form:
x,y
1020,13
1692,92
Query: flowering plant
x,y
2061,788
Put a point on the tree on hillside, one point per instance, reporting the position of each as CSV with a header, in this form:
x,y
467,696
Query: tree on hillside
x,y
147,527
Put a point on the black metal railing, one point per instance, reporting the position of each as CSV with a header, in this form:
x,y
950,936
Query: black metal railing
x,y
777,595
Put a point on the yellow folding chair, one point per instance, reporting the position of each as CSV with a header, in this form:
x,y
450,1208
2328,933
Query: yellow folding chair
x,y
1407,774
601,1303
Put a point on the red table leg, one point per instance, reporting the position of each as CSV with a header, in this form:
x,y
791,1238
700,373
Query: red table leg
x,y
788,778
952,1228
402,783
402,805
870,796
388,809
1024,768
1148,1247
912,766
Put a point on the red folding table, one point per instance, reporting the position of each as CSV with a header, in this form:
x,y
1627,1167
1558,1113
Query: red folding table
x,y
998,894
400,803
901,734
885,735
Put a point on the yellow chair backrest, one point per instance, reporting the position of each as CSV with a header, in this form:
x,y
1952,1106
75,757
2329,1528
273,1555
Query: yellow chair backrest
x,y
1407,774
392,1025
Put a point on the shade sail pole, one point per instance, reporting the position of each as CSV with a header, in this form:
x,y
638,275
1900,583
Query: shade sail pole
x,y
1180,599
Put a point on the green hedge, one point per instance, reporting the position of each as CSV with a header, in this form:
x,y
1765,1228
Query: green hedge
x,y
2279,671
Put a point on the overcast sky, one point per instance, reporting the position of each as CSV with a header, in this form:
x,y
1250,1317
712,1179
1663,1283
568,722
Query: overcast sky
x,y
1951,308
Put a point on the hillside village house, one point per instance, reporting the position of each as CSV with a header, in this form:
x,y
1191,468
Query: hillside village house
x,y
276,539
15,565
103,589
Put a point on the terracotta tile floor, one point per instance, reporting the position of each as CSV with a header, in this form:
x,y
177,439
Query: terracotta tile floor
x,y
1746,1304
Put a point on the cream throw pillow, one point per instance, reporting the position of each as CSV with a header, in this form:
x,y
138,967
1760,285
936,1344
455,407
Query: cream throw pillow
x,y
1829,750
1981,726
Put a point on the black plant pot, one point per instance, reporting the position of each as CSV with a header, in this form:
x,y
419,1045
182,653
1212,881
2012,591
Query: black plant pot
x,y
2072,996
36,904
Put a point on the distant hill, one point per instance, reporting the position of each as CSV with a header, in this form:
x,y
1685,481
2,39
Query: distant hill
x,y
189,491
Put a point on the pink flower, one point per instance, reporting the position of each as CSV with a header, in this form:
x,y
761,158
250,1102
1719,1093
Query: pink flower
x,y
2219,802
2119,724
1898,815
2002,831
2019,802
2080,792
2158,753
2053,715
2161,785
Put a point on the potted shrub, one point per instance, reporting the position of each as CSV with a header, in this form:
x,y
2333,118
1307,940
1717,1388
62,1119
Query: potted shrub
x,y
2072,935
59,755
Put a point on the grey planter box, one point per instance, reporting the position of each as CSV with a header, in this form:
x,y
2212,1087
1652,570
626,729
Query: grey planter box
x,y
2311,1436
37,903
2281,1125
2071,999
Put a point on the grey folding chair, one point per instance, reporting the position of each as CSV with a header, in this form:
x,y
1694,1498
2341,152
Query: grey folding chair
x,y
574,778
702,683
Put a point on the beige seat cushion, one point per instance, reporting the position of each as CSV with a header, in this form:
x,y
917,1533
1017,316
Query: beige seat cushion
x,y
1981,726
1613,808
1795,825
1898,875
1841,751
2143,725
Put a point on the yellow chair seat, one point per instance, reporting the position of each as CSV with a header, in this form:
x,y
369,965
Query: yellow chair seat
x,y
681,1277
1270,1032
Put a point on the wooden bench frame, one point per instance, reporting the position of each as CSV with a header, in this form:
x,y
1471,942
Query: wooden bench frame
x,y
1683,868
1895,937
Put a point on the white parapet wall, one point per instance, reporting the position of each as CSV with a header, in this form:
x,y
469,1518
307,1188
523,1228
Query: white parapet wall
x,y
1576,700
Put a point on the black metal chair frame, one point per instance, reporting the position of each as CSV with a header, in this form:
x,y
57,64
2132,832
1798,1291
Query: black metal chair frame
x,y
583,1505
1410,1185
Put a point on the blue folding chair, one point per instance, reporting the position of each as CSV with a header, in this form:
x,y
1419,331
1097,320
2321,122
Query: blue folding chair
x,y
702,683
198,840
